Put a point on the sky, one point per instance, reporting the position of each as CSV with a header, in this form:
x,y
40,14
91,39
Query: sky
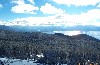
x,y
50,12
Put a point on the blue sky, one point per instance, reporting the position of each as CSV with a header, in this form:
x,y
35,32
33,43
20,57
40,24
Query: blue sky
x,y
45,12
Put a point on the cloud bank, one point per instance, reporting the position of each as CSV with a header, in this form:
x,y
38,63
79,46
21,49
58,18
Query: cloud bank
x,y
91,17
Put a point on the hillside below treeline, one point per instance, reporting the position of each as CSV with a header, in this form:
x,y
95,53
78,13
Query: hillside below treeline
x,y
56,48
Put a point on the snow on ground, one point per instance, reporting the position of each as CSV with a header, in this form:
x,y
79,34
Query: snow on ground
x,y
7,61
23,62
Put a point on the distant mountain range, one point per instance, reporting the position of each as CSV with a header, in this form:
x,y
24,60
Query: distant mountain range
x,y
50,28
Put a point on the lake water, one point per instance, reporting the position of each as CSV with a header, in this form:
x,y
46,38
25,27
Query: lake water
x,y
95,34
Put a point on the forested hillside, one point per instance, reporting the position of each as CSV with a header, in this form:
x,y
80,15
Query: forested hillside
x,y
56,48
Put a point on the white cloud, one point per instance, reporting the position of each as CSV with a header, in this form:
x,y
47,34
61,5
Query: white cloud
x,y
25,8
49,9
21,7
89,18
77,2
